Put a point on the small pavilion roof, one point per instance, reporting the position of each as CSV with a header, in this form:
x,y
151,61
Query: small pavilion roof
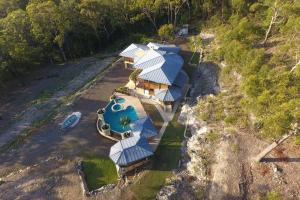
x,y
129,150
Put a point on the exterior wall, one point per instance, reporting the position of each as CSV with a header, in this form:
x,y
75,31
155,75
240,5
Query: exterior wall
x,y
149,85
128,62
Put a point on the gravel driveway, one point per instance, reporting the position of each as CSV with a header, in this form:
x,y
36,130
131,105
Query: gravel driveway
x,y
64,147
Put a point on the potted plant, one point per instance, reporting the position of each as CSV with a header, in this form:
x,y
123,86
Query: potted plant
x,y
100,113
105,129
113,97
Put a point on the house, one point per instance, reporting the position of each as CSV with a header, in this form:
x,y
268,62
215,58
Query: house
x,y
133,53
161,77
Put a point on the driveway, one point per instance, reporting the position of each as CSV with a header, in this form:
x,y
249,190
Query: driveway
x,y
50,150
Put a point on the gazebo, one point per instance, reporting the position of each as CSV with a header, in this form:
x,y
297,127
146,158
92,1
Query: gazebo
x,y
129,153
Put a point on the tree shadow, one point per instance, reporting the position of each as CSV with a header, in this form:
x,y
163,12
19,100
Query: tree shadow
x,y
281,159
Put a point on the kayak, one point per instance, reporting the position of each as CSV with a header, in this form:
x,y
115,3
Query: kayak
x,y
71,120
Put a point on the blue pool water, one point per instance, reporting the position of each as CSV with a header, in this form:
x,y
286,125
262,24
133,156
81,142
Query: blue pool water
x,y
116,107
120,100
113,117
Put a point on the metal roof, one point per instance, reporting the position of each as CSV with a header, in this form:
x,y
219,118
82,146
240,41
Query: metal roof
x,y
159,66
144,127
164,47
171,94
181,79
129,150
134,51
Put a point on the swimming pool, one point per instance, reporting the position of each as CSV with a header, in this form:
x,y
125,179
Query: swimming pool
x,y
112,115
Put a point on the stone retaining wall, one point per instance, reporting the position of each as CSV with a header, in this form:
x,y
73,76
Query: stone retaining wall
x,y
85,190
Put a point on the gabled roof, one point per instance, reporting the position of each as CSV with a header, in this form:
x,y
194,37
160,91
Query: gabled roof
x,y
164,47
151,58
134,51
129,150
159,66
144,127
171,94
181,79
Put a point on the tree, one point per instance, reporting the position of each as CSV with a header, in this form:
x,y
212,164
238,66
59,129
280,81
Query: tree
x,y
166,31
17,46
150,9
47,25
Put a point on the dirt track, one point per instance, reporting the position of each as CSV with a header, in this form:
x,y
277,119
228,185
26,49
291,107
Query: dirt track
x,y
67,147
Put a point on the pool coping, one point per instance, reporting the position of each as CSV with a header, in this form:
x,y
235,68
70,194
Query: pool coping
x,y
140,111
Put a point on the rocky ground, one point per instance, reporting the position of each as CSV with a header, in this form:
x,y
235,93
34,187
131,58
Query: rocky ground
x,y
223,166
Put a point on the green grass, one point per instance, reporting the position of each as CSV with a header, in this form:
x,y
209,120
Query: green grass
x,y
154,114
99,171
165,159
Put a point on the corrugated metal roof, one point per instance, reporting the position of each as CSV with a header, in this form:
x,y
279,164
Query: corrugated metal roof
x,y
144,127
134,51
171,94
151,58
130,150
164,47
160,67
181,79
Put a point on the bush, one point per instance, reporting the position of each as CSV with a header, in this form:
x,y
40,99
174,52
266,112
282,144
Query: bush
x,y
166,31
231,119
272,196
123,90
297,140
134,74
212,136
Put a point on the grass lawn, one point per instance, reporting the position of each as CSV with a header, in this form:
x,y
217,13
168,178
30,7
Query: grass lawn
x,y
99,171
154,114
165,159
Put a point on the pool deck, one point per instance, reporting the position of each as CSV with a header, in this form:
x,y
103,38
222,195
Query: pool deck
x,y
135,102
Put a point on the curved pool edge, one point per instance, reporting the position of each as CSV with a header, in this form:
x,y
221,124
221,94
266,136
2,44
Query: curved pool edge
x,y
101,133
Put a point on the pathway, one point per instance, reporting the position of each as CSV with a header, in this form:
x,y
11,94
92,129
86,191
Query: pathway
x,y
37,112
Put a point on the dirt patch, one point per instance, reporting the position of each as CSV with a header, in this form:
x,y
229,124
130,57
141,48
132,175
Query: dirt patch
x,y
38,111
70,144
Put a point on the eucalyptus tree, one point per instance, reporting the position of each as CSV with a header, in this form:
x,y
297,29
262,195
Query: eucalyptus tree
x,y
50,22
17,46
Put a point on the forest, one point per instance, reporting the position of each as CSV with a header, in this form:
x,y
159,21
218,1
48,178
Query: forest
x,y
38,32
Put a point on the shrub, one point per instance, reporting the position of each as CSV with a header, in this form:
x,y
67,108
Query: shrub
x,y
297,140
133,76
123,90
231,119
272,196
166,31
212,136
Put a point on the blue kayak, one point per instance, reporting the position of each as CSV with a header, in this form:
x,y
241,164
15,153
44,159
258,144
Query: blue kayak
x,y
71,120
